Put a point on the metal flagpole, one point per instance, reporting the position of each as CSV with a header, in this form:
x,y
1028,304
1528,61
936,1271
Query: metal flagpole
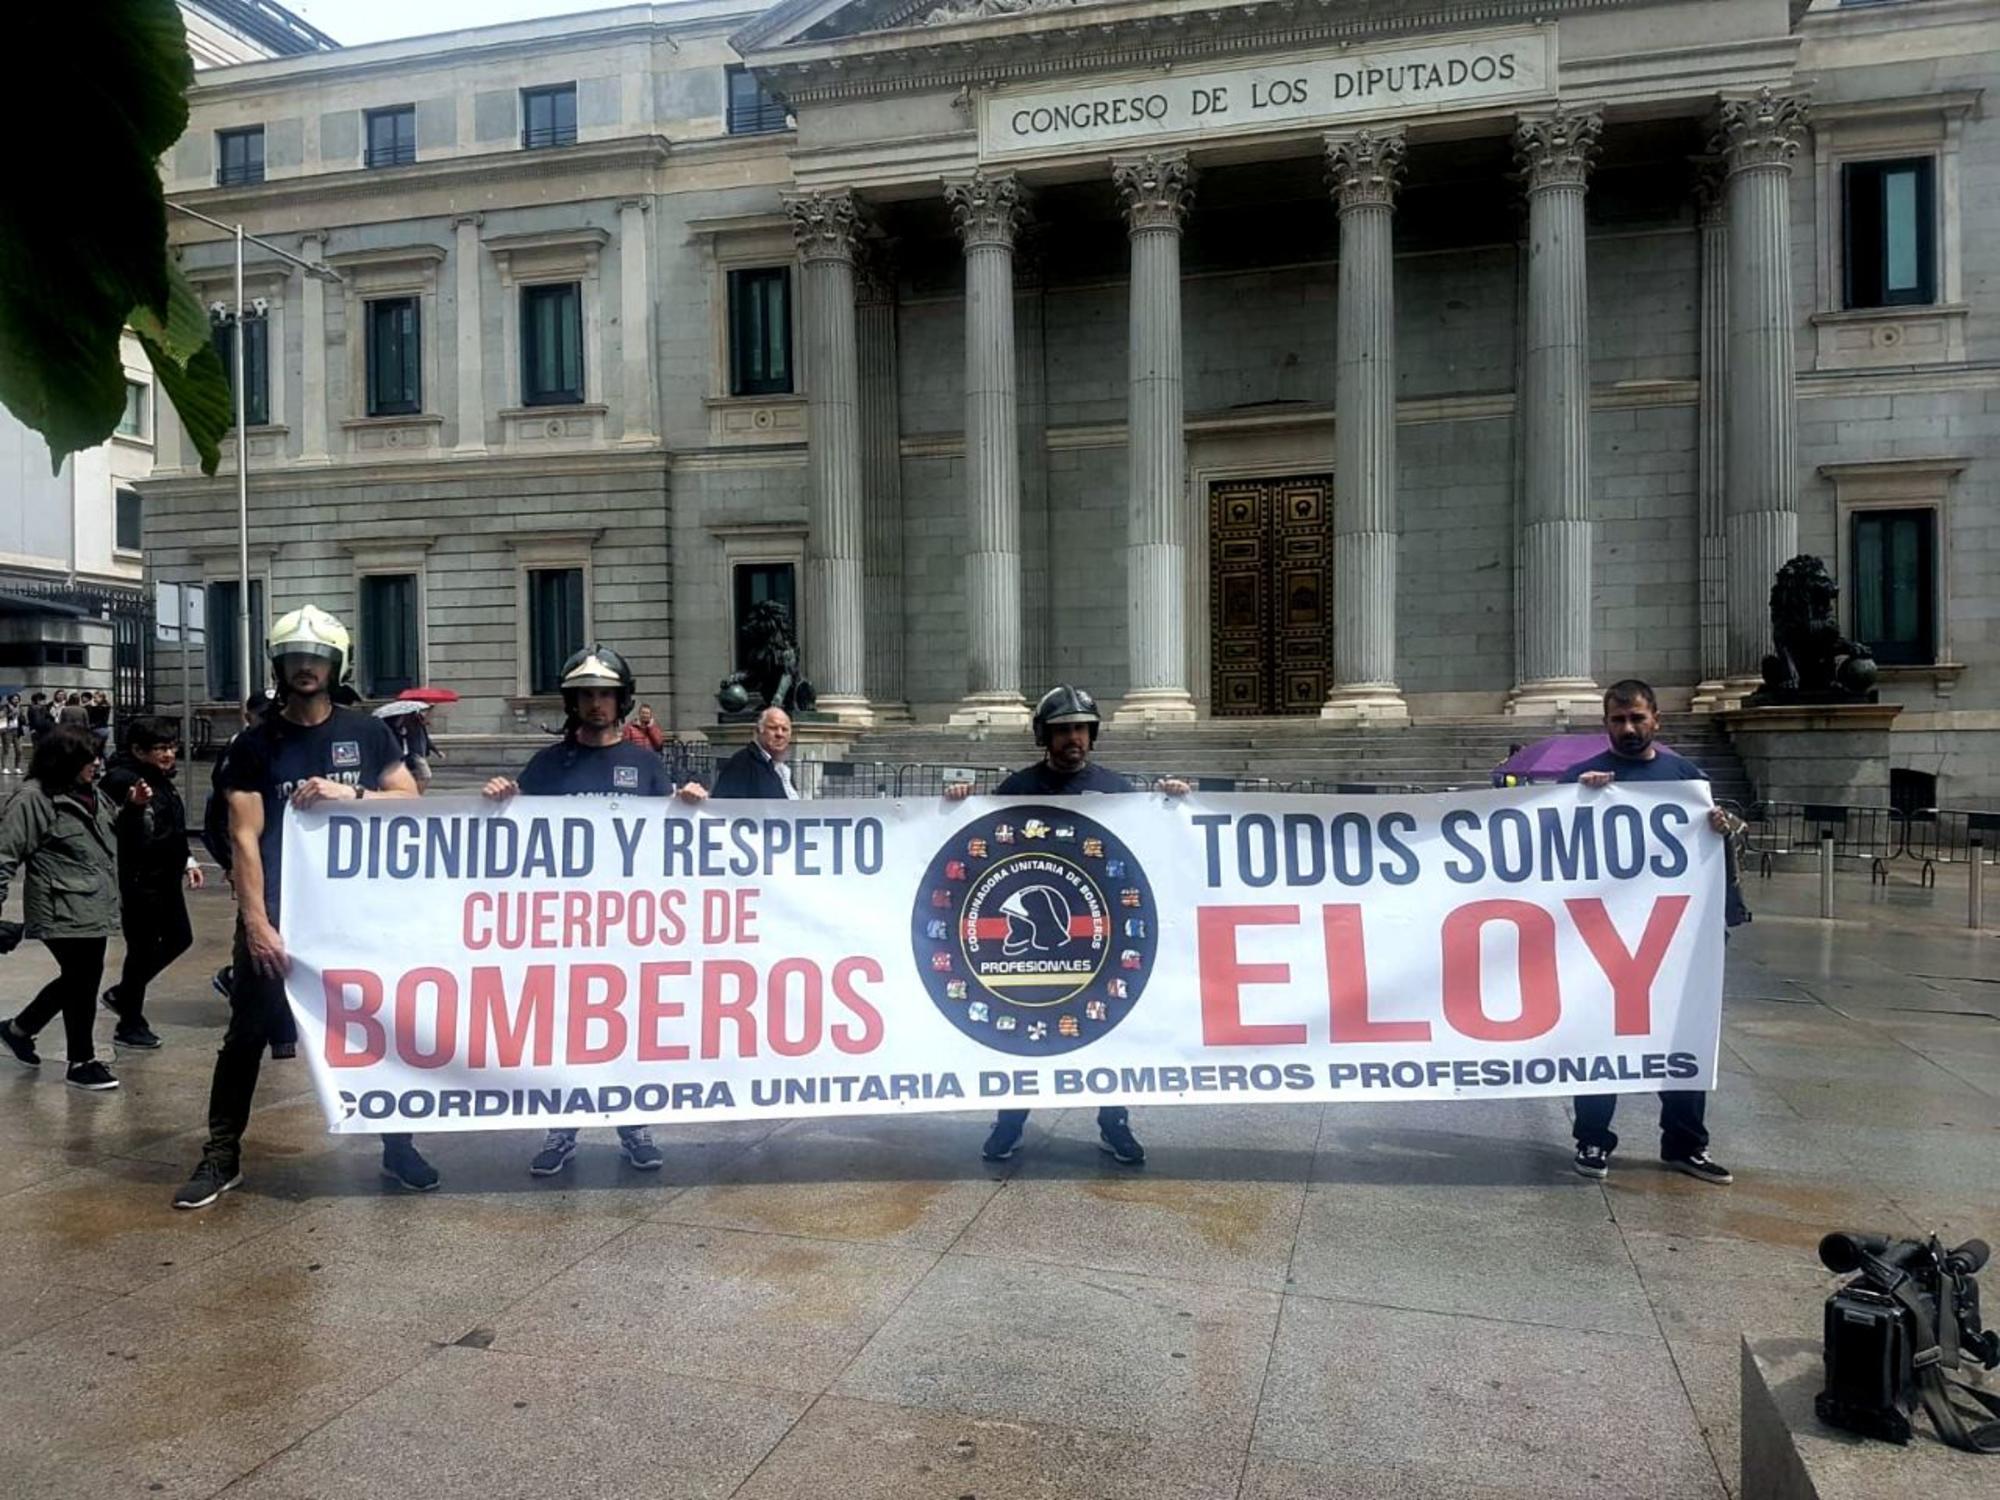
x,y
242,488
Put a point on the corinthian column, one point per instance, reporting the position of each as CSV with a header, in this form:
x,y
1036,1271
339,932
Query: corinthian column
x,y
1556,669
1757,139
826,225
1710,213
312,355
465,255
1363,169
988,209
1157,190
635,323
881,485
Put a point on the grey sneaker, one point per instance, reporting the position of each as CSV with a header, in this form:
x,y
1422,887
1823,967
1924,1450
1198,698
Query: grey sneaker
x,y
557,1148
638,1148
210,1181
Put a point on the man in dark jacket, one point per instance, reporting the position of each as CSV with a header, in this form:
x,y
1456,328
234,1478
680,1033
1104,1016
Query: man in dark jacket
x,y
1066,724
154,862
762,768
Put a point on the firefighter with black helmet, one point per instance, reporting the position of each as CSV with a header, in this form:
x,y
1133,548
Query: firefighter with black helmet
x,y
593,759
306,751
1066,724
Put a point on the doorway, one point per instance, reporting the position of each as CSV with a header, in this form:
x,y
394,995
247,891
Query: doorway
x,y
1270,595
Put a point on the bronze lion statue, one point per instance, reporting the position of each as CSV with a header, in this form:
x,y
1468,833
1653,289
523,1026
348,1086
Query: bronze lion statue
x,y
1813,662
772,678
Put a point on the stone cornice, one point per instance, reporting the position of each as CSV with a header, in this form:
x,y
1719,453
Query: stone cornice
x,y
1762,131
1028,44
987,208
1158,189
349,473
1364,167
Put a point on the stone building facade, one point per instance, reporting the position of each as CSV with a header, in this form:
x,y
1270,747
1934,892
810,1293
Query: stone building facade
x,y
1376,363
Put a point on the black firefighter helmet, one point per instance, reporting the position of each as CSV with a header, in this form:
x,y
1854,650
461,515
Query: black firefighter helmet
x,y
598,667
1064,704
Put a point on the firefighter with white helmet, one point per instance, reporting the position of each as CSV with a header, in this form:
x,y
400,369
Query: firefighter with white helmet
x,y
594,759
1066,724
305,752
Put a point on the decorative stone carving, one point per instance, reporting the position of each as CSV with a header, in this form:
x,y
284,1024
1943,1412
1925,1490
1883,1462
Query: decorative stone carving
x,y
874,276
826,225
981,10
1556,150
773,679
1761,131
1813,662
1158,190
1365,168
988,208
1711,191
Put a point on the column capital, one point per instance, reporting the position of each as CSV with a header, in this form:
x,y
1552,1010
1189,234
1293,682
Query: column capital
x,y
874,276
987,208
643,205
1711,195
1556,150
826,225
1364,167
468,221
1158,189
1763,130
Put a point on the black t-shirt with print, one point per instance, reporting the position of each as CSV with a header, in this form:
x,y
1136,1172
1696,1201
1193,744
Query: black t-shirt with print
x,y
275,758
574,769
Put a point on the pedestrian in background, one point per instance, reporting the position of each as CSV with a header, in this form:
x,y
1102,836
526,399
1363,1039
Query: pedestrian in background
x,y
154,862
645,730
13,724
99,709
762,768
59,827
73,713
41,716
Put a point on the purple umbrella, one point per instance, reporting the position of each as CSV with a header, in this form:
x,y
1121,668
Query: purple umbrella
x,y
1546,760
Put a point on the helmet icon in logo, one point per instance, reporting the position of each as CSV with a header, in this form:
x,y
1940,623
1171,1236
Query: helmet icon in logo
x,y
1037,921
1015,933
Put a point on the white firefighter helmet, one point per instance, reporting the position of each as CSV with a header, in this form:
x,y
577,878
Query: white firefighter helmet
x,y
311,631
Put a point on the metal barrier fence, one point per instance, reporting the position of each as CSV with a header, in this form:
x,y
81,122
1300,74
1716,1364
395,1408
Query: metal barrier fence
x,y
1926,837
929,779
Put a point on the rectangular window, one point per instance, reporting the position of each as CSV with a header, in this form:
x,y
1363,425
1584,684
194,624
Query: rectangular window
x,y
552,345
548,116
1895,598
762,583
392,136
133,423
395,358
753,110
239,157
555,625
256,366
760,332
1891,246
225,683
128,535
388,655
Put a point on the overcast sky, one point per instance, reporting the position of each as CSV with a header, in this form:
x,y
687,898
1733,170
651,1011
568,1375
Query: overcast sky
x,y
352,22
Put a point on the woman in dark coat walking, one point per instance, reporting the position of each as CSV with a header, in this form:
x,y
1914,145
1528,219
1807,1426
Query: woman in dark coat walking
x,y
63,831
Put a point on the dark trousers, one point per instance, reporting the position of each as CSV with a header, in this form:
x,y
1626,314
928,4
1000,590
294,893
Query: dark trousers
x,y
73,992
1681,1114
256,1003
1111,1114
156,933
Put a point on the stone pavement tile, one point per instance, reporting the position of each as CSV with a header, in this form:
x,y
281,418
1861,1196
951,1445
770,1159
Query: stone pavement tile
x,y
116,1231
1228,1143
897,1180
1716,1290
434,1266
25,1168
467,1424
30,1306
38,1111
1516,1148
1394,1401
1277,1479
1952,1105
1712,1375
1012,1341
1953,1217
1529,1255
1782,1210
1937,1160
861,1450
1968,1028
139,1397
1879,1065
769,1310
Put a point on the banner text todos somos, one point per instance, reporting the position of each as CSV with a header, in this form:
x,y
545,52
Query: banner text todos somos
x,y
458,965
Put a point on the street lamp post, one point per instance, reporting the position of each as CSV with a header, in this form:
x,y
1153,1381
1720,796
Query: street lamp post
x,y
241,389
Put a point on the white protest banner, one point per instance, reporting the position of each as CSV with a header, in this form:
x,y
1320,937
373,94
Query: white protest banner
x,y
461,965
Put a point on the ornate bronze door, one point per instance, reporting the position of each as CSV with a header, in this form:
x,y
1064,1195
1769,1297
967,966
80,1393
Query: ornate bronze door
x,y
1270,595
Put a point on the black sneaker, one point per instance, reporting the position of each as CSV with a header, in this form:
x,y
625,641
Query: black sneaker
x,y
1702,1167
1004,1140
1593,1161
210,1181
1117,1140
402,1163
558,1146
639,1150
20,1044
224,981
92,1075
135,1034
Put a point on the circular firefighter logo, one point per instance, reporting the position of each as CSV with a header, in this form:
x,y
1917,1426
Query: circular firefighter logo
x,y
1034,931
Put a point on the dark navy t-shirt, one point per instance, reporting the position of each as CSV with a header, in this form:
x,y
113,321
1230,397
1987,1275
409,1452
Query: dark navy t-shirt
x,y
573,769
1044,780
1664,766
352,748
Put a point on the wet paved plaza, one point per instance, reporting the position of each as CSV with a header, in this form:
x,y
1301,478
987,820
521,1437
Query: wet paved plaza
x,y
1395,1300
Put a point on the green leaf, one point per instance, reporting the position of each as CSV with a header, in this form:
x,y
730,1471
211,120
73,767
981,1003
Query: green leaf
x,y
186,327
83,230
200,392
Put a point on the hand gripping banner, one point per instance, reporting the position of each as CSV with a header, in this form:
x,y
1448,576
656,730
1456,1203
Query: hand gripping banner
x,y
457,965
